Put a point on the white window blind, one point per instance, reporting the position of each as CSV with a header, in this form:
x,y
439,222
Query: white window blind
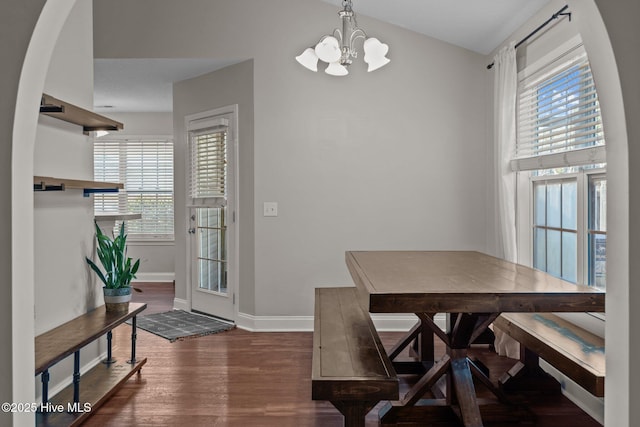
x,y
145,166
208,174
559,121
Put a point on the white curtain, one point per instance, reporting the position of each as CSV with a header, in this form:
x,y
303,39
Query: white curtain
x,y
505,91
505,87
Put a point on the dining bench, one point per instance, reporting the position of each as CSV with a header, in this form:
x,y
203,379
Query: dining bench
x,y
575,352
350,367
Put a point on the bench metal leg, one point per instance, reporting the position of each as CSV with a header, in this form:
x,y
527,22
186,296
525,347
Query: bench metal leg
x,y
45,386
109,360
133,341
76,376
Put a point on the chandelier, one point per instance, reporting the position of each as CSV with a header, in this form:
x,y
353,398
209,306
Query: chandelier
x,y
338,50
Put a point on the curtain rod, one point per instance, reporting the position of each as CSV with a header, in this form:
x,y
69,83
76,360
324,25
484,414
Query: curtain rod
x,y
561,12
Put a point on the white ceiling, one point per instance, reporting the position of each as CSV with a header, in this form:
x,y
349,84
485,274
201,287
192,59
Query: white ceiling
x,y
145,85
478,25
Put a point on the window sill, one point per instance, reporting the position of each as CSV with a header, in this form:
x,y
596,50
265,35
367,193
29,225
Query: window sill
x,y
103,216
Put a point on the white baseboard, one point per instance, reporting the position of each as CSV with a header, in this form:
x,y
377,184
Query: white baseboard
x,y
274,323
592,405
402,322
181,304
383,322
154,277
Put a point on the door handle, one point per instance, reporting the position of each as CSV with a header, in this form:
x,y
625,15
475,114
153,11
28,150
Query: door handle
x,y
192,230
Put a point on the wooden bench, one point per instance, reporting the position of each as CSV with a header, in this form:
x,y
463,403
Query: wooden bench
x,y
350,366
572,350
72,405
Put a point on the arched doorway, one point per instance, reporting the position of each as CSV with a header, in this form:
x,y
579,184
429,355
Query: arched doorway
x,y
30,86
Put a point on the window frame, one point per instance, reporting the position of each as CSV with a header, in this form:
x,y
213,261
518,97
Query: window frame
x,y
592,231
199,123
525,218
144,238
205,183
540,71
556,180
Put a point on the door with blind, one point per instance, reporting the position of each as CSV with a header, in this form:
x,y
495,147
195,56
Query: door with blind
x,y
211,200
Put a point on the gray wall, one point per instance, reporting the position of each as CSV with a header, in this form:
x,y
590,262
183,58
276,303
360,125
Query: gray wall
x,y
393,159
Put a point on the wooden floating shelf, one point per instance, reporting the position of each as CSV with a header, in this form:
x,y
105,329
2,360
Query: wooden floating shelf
x,y
89,120
47,183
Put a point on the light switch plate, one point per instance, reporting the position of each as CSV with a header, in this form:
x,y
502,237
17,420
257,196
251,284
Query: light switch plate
x,y
270,209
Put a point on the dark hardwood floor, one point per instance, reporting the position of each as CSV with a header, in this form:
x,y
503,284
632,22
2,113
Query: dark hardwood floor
x,y
240,378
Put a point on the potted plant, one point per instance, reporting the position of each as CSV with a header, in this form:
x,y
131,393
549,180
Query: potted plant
x,y
118,269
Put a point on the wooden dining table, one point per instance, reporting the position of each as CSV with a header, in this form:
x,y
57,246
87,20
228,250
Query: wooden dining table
x,y
474,288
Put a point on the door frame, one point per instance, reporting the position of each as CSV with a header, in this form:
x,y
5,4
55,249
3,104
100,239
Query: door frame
x,y
233,187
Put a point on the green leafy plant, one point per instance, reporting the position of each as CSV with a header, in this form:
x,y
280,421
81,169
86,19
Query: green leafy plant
x,y
119,270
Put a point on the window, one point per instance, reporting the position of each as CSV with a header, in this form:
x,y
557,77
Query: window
x,y
212,249
569,226
555,225
559,122
560,160
209,161
145,166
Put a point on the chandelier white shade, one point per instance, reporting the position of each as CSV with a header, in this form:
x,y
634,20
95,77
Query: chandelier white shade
x,y
337,50
336,69
328,49
308,59
375,53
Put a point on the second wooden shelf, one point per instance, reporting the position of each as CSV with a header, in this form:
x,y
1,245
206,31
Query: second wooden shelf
x,y
47,183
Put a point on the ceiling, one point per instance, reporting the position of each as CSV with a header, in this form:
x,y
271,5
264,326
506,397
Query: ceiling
x,y
477,25
145,85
